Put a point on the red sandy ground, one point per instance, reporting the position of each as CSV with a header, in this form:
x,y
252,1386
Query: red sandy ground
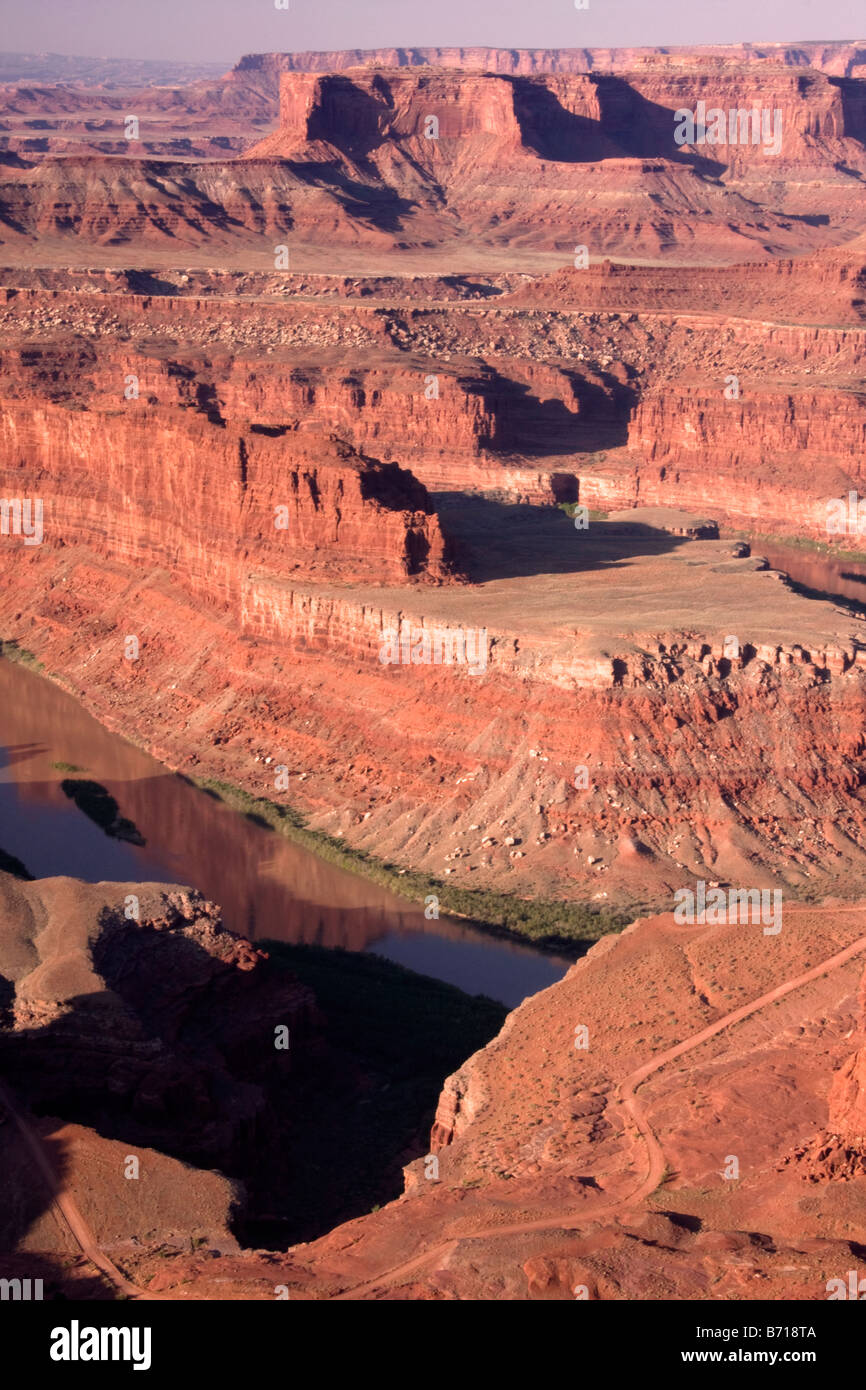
x,y
563,1169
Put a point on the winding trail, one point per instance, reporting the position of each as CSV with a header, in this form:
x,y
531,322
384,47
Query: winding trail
x,y
64,1203
626,1099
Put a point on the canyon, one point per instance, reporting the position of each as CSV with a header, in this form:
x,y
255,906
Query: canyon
x,y
441,160
559,1168
373,351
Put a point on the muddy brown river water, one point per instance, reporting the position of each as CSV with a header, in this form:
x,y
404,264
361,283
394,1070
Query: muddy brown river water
x,y
818,574
266,886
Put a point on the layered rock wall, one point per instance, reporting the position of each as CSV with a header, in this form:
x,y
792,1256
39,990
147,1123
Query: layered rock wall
x,y
841,59
238,495
571,118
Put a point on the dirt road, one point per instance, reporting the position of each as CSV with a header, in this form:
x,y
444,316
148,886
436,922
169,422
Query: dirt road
x,y
626,1100
64,1203
624,1097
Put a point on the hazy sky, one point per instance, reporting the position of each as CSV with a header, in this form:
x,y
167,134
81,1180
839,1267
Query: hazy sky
x,y
221,30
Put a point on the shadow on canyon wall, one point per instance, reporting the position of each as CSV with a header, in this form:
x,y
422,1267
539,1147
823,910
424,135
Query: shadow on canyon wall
x,y
506,540
630,126
178,1055
358,121
852,93
527,425
374,203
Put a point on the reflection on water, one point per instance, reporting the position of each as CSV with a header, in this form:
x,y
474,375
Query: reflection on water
x,y
822,574
266,886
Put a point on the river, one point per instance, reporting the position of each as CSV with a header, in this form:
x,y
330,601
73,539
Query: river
x,y
265,885
833,576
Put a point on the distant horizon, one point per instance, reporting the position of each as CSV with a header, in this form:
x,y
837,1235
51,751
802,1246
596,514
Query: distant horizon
x,y
211,31
377,47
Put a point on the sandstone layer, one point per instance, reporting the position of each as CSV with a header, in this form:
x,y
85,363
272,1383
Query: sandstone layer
x,y
841,59
621,385
393,437
390,158
699,762
200,113
619,1139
